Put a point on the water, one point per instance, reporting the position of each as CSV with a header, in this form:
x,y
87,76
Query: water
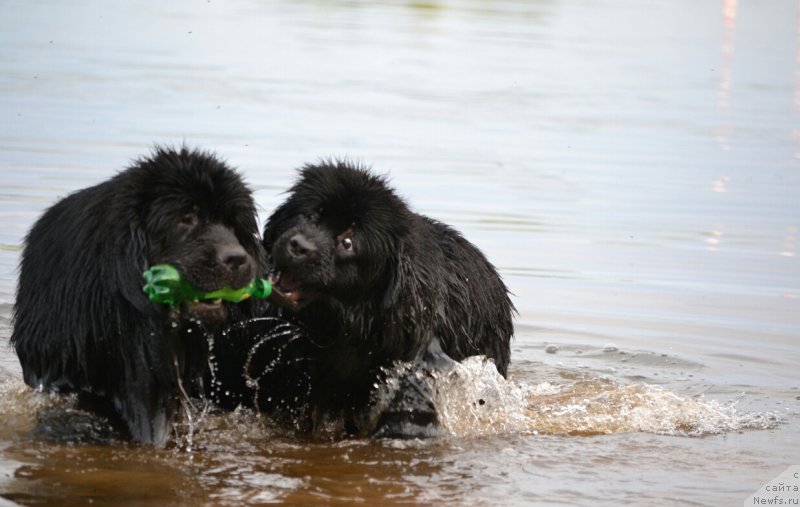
x,y
631,167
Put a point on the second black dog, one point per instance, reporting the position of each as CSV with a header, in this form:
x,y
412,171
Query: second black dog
x,y
371,282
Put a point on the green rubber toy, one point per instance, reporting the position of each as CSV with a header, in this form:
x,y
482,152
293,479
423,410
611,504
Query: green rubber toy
x,y
164,285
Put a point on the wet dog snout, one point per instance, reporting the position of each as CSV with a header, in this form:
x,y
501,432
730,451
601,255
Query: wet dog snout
x,y
300,248
233,257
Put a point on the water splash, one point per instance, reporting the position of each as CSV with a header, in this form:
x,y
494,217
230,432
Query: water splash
x,y
20,405
474,399
262,362
471,399
239,428
272,345
26,412
193,414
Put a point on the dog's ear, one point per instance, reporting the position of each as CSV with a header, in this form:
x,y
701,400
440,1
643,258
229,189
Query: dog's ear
x,y
128,266
403,281
392,291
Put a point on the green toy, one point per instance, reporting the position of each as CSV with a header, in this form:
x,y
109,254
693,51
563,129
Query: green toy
x,y
164,285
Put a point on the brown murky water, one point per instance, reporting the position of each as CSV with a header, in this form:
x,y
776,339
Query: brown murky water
x,y
632,168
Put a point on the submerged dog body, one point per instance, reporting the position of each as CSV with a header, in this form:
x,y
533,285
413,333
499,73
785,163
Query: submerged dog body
x,y
372,282
81,321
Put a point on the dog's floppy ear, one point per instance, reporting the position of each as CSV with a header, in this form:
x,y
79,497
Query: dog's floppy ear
x,y
128,266
392,291
394,268
403,281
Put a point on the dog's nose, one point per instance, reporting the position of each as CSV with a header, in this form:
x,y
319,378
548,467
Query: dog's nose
x,y
234,257
301,248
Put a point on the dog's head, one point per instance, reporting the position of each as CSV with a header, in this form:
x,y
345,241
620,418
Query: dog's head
x,y
198,215
335,237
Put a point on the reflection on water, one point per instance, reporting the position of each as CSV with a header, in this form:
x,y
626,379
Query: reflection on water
x,y
726,71
630,167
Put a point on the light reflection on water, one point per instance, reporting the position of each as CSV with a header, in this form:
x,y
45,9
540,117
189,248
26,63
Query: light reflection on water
x,y
631,168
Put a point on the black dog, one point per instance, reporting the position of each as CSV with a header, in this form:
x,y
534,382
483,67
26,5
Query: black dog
x,y
371,283
81,321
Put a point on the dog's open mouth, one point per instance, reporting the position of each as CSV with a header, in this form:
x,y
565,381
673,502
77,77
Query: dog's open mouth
x,y
289,292
210,311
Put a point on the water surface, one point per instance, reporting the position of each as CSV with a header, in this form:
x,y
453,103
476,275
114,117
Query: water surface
x,y
632,168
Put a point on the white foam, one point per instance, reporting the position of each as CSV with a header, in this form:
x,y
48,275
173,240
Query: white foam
x,y
20,405
474,399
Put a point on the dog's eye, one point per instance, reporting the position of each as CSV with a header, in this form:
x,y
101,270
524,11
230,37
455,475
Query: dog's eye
x,y
189,219
347,244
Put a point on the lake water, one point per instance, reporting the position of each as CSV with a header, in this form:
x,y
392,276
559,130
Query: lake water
x,y
632,168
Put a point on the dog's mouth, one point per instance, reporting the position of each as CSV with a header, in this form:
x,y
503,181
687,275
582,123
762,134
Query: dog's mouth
x,y
289,292
209,311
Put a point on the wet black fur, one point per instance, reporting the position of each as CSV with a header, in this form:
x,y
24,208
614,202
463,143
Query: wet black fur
x,y
81,321
409,286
